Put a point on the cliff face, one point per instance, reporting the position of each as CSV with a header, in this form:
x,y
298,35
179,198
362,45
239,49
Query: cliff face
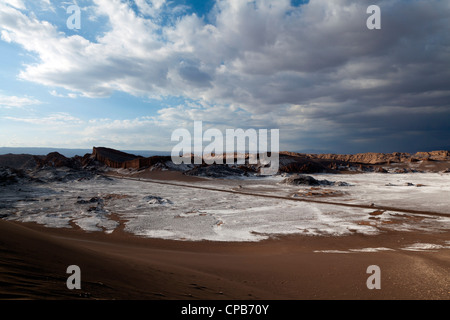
x,y
289,162
113,158
117,159
383,158
365,158
433,155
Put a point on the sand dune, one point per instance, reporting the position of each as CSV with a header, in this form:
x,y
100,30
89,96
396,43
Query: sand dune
x,y
119,266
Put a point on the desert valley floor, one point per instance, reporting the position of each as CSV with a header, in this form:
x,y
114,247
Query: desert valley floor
x,y
164,235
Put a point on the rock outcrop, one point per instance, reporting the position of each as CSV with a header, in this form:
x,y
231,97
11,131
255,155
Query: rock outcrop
x,y
433,155
301,180
10,175
215,171
372,158
304,180
18,161
365,158
57,160
300,164
118,159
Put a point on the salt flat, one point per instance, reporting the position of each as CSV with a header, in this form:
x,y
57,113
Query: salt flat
x,y
178,212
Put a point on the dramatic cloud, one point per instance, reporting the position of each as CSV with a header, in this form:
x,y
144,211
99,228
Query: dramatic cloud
x,y
313,70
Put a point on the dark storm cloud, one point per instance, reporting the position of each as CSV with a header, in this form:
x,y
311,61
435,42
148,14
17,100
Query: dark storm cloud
x,y
194,75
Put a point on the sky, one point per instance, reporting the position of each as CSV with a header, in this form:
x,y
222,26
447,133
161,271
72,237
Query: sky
x,y
137,70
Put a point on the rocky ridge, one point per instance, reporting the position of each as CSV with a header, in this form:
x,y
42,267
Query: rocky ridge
x,y
57,167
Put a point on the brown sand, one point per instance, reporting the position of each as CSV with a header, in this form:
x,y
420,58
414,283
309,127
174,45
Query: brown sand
x,y
34,259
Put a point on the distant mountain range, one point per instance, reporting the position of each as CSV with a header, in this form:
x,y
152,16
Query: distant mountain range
x,y
148,153
74,152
